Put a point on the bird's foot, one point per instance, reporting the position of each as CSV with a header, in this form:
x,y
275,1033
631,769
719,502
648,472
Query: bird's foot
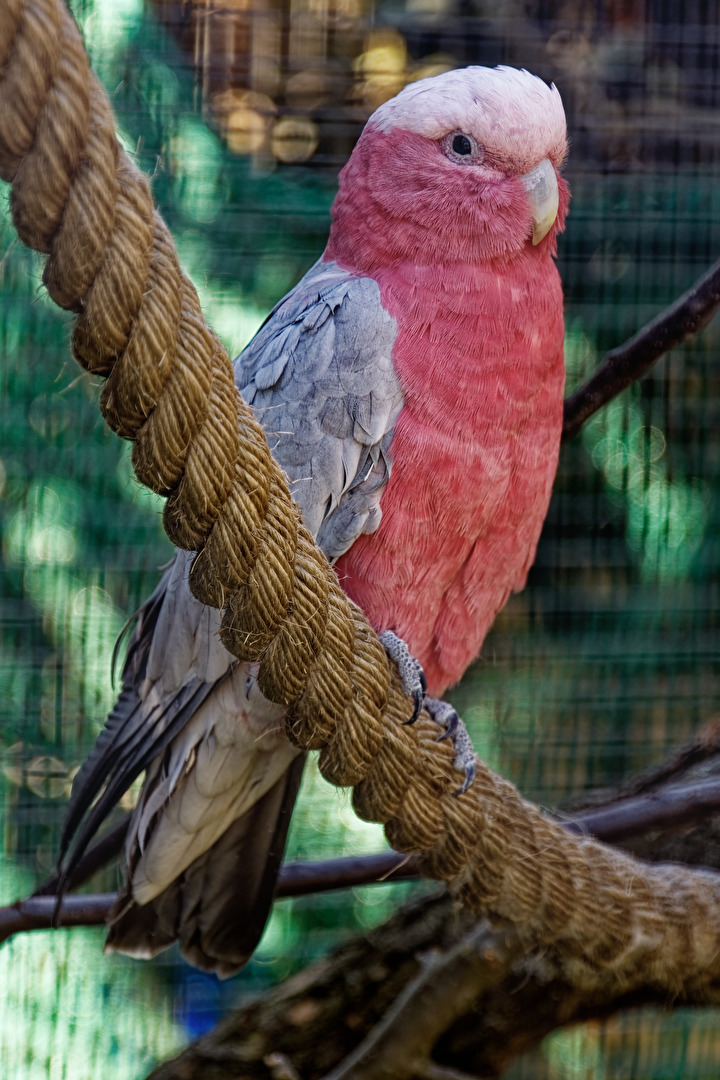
x,y
414,684
411,673
465,761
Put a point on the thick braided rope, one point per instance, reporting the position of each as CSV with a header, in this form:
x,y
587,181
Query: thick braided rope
x,y
77,198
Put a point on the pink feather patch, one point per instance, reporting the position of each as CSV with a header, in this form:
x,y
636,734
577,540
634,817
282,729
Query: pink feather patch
x,y
479,355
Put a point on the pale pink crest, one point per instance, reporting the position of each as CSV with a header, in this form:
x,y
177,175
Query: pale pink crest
x,y
512,113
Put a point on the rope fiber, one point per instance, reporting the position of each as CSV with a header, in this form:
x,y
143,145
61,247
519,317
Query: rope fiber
x,y
77,198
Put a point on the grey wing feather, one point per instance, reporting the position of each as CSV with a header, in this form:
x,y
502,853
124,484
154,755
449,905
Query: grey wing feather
x,y
320,377
174,663
217,908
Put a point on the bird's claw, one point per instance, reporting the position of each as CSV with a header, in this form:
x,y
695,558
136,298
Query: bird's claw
x,y
411,673
452,723
465,761
414,684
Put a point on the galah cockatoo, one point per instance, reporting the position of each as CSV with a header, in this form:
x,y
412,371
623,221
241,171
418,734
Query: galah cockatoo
x,y
411,388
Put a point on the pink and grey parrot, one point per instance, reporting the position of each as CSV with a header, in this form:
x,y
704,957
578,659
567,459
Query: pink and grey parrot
x,y
411,388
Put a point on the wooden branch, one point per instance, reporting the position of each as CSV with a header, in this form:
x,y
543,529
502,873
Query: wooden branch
x,y
301,878
444,990
672,807
38,912
625,364
316,1022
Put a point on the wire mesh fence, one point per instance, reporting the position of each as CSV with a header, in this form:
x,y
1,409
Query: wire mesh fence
x,y
243,115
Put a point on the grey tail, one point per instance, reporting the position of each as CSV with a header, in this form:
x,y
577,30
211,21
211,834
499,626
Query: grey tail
x,y
217,908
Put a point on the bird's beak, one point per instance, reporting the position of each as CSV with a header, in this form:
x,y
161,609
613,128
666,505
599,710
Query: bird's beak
x,y
542,190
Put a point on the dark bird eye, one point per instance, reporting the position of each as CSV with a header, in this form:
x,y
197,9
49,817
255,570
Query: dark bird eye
x,y
462,148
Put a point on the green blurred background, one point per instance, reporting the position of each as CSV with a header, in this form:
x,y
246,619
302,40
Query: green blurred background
x,y
243,114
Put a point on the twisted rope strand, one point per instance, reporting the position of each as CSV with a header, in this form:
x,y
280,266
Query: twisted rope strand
x,y
79,199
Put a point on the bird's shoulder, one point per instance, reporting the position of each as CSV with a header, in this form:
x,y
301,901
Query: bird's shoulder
x,y
320,376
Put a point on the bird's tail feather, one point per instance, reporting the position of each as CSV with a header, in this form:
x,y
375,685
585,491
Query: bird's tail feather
x,y
217,908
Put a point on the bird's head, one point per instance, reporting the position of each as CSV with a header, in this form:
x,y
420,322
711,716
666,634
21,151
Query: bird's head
x,y
462,167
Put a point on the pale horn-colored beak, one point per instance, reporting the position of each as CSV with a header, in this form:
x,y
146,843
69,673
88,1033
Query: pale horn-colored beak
x,y
542,190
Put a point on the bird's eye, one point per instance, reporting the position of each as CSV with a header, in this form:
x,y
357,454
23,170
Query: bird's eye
x,y
462,148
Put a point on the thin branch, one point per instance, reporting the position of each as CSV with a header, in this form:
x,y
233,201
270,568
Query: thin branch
x,y
668,808
301,878
296,879
686,317
679,767
36,913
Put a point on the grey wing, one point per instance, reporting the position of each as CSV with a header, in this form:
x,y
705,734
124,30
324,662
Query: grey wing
x,y
212,746
320,378
168,674
219,771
